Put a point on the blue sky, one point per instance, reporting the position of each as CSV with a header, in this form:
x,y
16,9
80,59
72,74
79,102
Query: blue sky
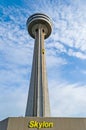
x,y
65,56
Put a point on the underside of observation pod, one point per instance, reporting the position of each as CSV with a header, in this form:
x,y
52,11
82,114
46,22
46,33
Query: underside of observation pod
x,y
36,20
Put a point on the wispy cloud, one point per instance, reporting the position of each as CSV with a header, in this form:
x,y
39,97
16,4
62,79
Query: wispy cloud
x,y
77,54
67,99
12,101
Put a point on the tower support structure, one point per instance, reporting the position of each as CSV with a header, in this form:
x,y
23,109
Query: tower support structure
x,y
39,27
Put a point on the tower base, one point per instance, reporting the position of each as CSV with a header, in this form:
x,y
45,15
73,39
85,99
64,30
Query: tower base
x,y
46,123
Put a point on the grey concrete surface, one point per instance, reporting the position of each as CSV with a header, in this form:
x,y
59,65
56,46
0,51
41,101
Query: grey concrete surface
x,y
46,123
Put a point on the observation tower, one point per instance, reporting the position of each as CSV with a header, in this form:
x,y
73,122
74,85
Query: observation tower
x,y
39,27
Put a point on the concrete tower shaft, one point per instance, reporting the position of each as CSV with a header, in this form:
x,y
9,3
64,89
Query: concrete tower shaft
x,y
39,27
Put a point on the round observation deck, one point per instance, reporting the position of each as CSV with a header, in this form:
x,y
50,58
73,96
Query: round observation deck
x,y
36,20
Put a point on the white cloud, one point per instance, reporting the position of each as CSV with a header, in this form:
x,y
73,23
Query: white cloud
x,y
12,101
77,54
67,99
70,28
83,72
60,47
53,61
